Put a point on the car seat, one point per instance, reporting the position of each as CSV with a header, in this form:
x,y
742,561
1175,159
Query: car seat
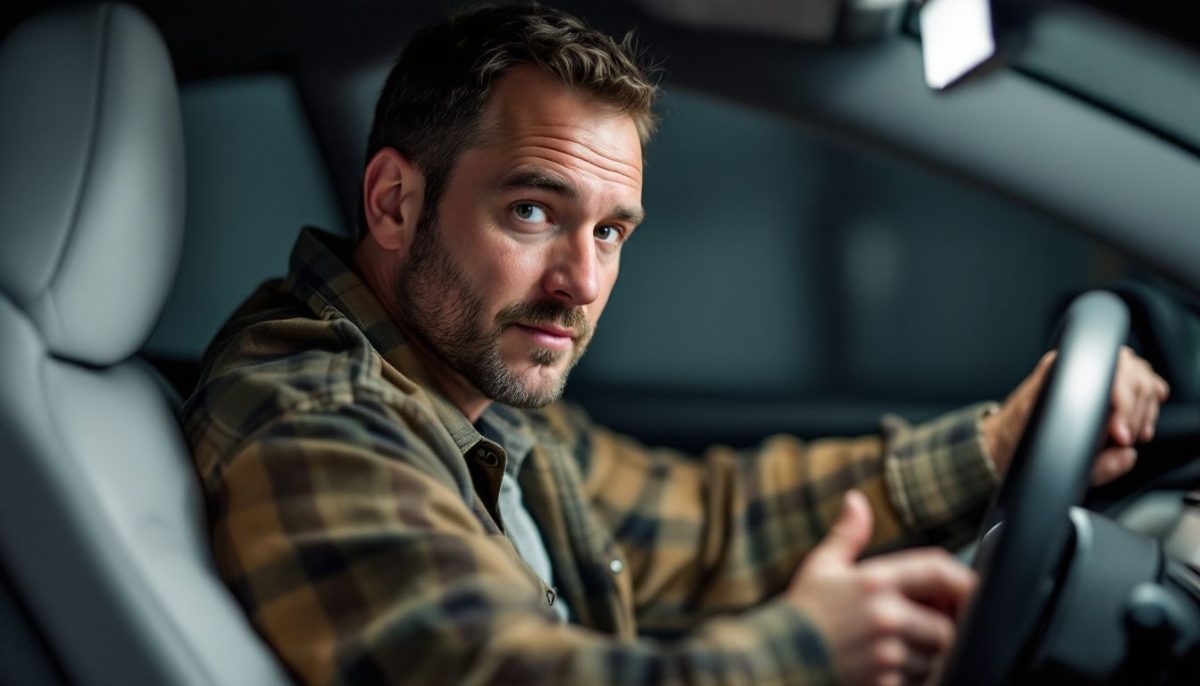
x,y
103,546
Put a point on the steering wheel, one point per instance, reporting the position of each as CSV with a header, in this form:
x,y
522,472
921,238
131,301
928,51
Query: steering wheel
x,y
1028,530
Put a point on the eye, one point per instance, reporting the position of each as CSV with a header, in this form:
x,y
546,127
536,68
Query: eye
x,y
530,213
609,234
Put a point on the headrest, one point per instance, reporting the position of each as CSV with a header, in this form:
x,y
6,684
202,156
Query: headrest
x,y
91,178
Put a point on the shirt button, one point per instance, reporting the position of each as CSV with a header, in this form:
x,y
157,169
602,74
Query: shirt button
x,y
550,596
489,458
615,566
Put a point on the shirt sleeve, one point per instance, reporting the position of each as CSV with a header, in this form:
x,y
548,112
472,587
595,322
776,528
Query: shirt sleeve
x,y
360,564
723,531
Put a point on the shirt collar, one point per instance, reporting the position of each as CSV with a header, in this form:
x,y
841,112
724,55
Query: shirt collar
x,y
320,276
510,429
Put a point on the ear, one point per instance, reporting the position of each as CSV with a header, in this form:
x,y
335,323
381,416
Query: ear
x,y
393,194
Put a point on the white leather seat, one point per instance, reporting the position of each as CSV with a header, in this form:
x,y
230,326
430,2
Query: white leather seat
x,y
102,535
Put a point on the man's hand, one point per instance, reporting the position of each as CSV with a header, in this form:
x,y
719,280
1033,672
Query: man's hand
x,y
889,620
1137,395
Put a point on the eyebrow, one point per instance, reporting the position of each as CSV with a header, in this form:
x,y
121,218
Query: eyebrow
x,y
541,180
553,183
633,215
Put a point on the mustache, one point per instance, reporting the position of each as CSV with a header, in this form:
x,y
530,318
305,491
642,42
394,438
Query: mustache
x,y
545,312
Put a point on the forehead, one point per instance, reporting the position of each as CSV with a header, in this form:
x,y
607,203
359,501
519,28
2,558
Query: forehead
x,y
533,120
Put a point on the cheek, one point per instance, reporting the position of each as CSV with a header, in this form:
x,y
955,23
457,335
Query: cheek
x,y
495,268
506,272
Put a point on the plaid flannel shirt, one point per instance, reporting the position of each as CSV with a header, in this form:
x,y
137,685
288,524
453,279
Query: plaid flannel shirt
x,y
354,515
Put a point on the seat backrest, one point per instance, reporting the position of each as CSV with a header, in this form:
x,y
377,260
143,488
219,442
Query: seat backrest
x,y
102,530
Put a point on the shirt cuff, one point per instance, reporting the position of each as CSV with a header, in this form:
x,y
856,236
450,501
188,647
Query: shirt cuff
x,y
940,475
787,646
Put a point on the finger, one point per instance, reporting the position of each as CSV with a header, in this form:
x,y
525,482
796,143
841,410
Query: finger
x,y
891,660
1137,392
919,666
1123,404
1108,465
1129,401
1125,461
1159,386
1112,463
1102,468
1155,391
1152,384
926,630
1044,363
1162,388
1151,424
1030,385
1145,398
848,536
929,576
937,670
894,678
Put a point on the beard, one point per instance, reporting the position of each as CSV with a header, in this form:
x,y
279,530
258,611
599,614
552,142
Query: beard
x,y
442,310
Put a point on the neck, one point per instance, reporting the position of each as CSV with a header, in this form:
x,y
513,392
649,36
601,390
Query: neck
x,y
448,382
452,385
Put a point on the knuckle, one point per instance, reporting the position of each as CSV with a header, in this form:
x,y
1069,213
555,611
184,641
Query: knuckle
x,y
940,556
1145,387
888,655
1134,385
889,679
883,619
945,567
873,581
1112,466
1122,394
1107,467
944,635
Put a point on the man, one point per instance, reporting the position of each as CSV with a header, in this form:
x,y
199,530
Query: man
x,y
396,498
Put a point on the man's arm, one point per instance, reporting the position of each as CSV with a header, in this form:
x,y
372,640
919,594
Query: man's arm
x,y
725,531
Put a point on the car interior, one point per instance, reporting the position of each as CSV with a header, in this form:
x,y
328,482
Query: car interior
x,y
829,239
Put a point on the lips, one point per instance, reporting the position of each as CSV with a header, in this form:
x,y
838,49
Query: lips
x,y
550,329
548,336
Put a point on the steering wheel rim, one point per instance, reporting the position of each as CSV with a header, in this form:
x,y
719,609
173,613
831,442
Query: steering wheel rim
x,y
1028,526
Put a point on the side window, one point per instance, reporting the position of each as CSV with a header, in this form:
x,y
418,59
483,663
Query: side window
x,y
777,259
254,177
718,279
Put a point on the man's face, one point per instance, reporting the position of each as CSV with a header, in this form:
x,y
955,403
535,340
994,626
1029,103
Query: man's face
x,y
507,282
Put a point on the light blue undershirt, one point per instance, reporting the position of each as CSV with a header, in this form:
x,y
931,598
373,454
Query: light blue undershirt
x,y
503,426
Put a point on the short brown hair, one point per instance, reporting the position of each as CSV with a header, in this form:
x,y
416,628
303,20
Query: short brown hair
x,y
435,95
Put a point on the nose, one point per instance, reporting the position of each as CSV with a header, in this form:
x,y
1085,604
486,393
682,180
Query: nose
x,y
572,275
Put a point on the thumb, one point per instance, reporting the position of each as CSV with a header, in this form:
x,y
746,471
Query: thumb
x,y
848,536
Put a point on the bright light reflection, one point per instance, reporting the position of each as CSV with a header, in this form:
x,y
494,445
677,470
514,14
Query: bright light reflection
x,y
956,36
